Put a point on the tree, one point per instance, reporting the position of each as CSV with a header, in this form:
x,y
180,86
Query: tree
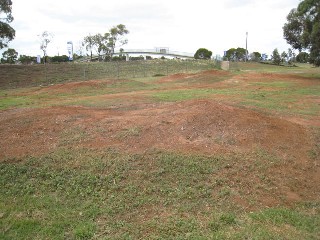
x,y
276,58
107,43
45,39
302,30
79,51
238,54
284,57
100,42
7,33
290,56
24,59
203,53
302,57
255,56
88,42
97,43
116,37
9,56
264,57
57,59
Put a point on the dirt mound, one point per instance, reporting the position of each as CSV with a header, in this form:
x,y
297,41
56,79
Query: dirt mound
x,y
215,73
197,126
207,126
195,76
71,86
175,77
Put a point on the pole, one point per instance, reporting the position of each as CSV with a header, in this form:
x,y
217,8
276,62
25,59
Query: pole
x,y
246,46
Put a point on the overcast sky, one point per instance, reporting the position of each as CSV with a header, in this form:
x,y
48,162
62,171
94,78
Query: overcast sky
x,y
179,25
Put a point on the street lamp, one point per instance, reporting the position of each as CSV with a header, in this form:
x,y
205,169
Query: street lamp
x,y
246,46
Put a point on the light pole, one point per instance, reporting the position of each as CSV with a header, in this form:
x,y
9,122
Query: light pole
x,y
246,46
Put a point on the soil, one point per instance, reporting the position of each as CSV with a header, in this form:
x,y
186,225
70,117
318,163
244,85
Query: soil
x,y
209,127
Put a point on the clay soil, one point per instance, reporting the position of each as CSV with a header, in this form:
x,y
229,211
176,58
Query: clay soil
x,y
205,127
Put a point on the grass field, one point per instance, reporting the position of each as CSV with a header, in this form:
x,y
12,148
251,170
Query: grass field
x,y
17,76
185,154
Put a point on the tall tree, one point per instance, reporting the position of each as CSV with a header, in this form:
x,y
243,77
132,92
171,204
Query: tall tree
x,y
45,39
88,42
9,56
276,58
106,43
284,57
100,42
290,56
302,30
7,33
117,37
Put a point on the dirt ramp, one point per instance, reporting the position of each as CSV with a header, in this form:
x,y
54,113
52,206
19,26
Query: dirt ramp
x,y
193,126
263,157
195,76
209,126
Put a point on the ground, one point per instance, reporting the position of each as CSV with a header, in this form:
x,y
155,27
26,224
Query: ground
x,y
260,127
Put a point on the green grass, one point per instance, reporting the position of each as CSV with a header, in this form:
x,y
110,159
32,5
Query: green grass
x,y
17,102
31,97
187,94
17,76
276,84
77,193
282,216
279,100
87,194
282,95
258,67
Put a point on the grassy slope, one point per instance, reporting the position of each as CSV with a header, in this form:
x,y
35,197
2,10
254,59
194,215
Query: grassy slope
x,y
105,194
17,76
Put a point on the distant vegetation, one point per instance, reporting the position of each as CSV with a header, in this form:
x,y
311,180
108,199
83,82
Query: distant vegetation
x,y
9,56
302,29
16,76
105,44
236,54
7,33
203,53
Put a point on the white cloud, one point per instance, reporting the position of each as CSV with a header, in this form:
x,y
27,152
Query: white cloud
x,y
180,25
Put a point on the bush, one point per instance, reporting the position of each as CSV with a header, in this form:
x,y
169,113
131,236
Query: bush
x,y
203,53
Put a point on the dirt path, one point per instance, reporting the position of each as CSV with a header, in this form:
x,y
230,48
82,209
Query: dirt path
x,y
208,127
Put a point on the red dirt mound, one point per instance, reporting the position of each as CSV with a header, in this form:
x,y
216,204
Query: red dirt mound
x,y
70,86
183,76
175,77
201,126
197,126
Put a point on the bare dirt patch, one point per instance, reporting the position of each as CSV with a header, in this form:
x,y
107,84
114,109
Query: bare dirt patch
x,y
208,127
72,86
192,126
186,76
195,127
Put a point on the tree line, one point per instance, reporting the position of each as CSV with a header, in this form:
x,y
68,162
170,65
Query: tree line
x,y
105,44
301,31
